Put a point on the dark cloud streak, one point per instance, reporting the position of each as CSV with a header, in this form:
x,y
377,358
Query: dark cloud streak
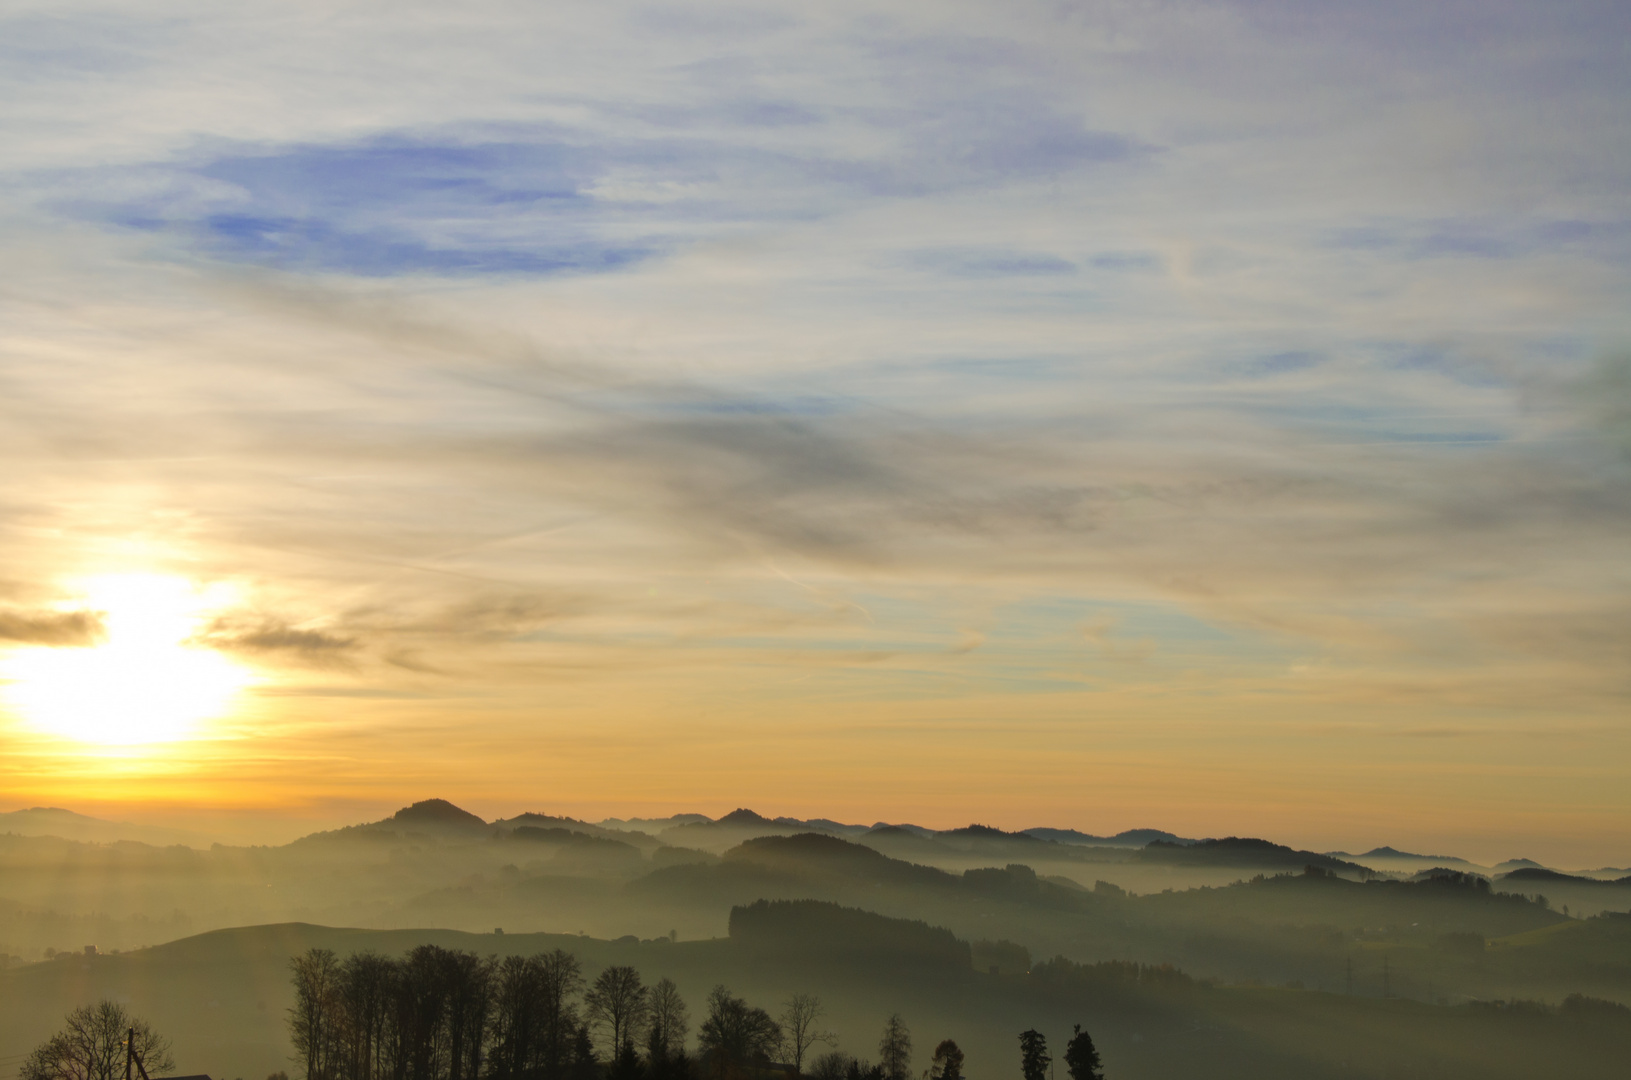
x,y
70,629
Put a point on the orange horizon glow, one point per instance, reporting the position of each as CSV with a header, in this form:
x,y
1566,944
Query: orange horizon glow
x,y
982,414
280,766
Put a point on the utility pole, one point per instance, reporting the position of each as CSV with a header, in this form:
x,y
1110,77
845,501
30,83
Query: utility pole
x,y
131,1055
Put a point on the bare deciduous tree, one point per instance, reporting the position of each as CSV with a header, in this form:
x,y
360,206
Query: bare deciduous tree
x,y
833,1065
91,1046
312,1018
616,1005
668,1018
735,1034
562,982
799,1020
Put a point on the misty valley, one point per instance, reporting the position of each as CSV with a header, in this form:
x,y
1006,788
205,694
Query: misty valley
x,y
1224,957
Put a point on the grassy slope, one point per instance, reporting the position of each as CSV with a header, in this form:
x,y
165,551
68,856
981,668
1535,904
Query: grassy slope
x,y
221,997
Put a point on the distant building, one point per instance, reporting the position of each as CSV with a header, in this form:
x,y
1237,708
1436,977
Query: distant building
x,y
90,950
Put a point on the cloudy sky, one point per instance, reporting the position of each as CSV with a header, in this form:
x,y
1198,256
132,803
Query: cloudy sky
x,y
1206,416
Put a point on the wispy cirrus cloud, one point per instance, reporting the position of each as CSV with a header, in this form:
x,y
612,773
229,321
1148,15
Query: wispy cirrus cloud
x,y
274,638
1222,354
57,629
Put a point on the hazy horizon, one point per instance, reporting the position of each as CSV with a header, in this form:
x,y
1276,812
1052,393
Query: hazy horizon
x,y
1204,416
197,827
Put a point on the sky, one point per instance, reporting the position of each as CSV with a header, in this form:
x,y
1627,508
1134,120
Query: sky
x,y
1205,416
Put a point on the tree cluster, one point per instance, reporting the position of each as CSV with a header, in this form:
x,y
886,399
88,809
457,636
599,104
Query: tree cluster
x,y
1081,1056
441,1014
92,1046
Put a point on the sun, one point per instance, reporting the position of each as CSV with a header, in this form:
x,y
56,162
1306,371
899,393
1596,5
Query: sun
x,y
143,683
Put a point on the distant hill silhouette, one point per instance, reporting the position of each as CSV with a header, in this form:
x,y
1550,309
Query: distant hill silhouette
x,y
1448,901
652,824
919,830
639,839
435,818
818,854
828,932
1128,838
735,826
744,816
986,832
70,825
1541,874
988,842
438,813
837,828
1395,853
809,849
1246,852
1437,872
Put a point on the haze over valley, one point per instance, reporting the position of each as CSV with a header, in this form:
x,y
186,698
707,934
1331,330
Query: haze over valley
x,y
1241,935
750,540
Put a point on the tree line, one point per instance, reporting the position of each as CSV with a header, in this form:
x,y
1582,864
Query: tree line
x,y
442,1014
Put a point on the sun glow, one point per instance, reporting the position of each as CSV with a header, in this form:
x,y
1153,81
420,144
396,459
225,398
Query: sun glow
x,y
143,683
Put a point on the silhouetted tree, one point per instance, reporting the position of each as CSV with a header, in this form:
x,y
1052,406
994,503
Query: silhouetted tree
x,y
426,1016
666,1025
1033,1055
91,1046
625,1065
799,1020
518,1006
1082,1057
467,982
616,1005
363,1022
735,1034
584,1065
833,1065
895,1049
562,1040
535,1022
947,1063
679,1066
667,1015
422,1014
860,1069
312,1018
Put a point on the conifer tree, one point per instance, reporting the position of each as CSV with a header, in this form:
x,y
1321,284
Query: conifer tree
x,y
1033,1055
1082,1057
